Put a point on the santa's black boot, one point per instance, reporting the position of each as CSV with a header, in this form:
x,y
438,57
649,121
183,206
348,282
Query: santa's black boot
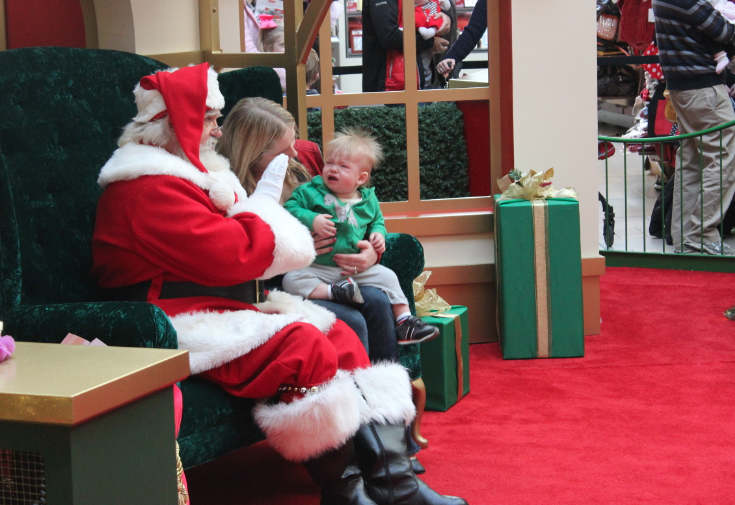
x,y
339,477
386,468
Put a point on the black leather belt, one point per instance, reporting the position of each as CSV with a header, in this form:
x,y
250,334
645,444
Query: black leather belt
x,y
248,292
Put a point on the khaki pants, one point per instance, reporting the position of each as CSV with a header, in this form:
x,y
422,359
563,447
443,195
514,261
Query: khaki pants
x,y
698,200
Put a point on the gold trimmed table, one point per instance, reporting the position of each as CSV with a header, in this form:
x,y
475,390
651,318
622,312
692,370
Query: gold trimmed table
x,y
100,421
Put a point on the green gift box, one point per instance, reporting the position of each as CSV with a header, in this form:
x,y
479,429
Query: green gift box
x,y
538,264
445,361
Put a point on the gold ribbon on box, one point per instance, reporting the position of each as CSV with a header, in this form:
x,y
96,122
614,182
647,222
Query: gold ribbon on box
x,y
458,350
532,186
429,303
539,209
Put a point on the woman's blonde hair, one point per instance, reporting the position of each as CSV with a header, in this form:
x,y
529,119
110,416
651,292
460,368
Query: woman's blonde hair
x,y
268,37
355,143
254,126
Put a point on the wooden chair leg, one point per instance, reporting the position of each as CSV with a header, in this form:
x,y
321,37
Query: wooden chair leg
x,y
419,400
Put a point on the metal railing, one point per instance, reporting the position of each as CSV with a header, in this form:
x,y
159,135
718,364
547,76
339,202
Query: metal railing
x,y
686,255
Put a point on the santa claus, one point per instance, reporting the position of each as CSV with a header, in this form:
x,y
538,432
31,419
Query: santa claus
x,y
176,229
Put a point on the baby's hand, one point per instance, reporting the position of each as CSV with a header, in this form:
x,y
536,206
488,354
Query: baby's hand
x,y
323,226
377,240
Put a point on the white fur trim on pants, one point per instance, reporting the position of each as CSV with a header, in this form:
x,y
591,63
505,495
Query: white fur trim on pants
x,y
386,391
326,419
214,338
319,422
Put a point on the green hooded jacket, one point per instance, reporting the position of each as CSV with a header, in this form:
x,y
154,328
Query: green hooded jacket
x,y
354,223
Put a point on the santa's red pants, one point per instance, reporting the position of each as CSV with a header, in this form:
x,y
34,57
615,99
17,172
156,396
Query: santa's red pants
x,y
298,355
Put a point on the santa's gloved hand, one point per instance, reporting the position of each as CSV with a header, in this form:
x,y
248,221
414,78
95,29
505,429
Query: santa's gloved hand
x,y
271,182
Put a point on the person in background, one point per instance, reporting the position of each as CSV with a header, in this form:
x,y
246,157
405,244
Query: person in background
x,y
382,42
252,29
271,40
312,72
467,41
686,31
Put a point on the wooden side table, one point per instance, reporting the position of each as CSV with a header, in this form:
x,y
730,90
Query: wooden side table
x,y
100,418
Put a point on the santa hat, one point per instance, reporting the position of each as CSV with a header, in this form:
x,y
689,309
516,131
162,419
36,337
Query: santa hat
x,y
185,95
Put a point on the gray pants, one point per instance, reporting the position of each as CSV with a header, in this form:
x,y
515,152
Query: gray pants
x,y
303,282
698,203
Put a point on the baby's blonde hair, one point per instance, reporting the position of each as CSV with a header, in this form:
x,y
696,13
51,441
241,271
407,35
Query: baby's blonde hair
x,y
355,143
268,37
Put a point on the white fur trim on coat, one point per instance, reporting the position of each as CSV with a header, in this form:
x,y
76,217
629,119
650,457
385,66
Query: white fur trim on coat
x,y
294,245
150,101
135,160
319,422
214,338
386,388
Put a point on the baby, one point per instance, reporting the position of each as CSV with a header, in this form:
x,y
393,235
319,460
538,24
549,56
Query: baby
x,y
727,10
337,204
425,12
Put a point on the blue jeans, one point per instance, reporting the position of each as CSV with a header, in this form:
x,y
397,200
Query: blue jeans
x,y
373,323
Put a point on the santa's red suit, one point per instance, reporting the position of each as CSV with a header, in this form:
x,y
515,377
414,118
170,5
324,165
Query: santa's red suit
x,y
162,220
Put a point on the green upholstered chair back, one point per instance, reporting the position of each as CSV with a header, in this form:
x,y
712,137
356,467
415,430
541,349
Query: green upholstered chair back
x,y
61,113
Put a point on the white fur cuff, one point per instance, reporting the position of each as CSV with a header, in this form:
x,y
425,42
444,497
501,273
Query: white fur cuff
x,y
294,245
386,388
319,422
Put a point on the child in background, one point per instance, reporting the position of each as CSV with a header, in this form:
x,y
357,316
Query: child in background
x,y
338,204
427,24
271,40
312,72
425,12
727,10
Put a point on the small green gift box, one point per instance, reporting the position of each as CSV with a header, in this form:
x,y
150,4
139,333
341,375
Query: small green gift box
x,y
538,266
445,361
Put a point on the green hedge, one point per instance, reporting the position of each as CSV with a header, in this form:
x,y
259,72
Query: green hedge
x,y
442,149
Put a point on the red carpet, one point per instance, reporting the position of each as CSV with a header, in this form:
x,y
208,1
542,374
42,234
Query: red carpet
x,y
645,417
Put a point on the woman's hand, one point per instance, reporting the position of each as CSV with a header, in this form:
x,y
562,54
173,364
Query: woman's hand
x,y
440,45
352,264
445,66
322,245
446,23
324,226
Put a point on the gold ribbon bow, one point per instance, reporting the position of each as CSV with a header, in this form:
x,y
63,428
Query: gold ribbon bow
x,y
532,186
428,302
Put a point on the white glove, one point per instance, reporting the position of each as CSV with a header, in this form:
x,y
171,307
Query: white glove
x,y
271,182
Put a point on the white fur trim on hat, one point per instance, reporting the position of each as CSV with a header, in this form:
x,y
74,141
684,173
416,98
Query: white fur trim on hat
x,y
386,389
310,426
150,101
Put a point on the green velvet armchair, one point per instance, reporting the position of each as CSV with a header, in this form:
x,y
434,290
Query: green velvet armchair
x,y
61,112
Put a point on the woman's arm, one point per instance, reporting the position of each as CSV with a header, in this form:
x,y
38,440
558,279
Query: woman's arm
x,y
471,34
